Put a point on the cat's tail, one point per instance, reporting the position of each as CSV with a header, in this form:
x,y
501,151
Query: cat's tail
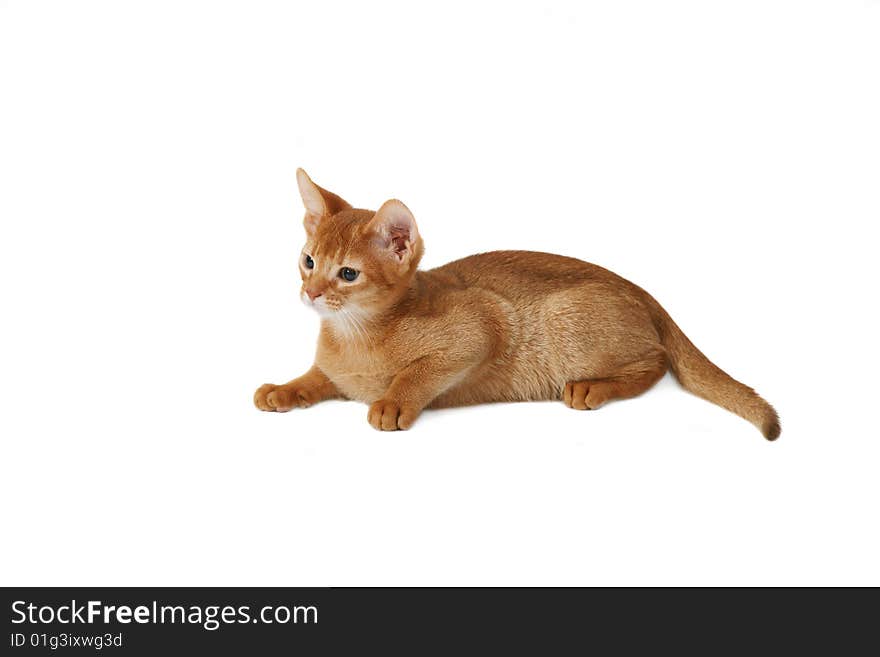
x,y
702,377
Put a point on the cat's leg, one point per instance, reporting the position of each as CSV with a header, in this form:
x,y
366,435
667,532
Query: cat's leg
x,y
625,381
310,388
413,388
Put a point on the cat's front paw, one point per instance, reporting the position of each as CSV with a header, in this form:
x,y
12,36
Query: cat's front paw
x,y
388,415
271,397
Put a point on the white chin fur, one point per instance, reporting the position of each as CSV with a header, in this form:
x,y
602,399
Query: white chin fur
x,y
349,322
323,312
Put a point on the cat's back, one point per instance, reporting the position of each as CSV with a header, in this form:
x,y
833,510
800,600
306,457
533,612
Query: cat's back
x,y
529,272
545,290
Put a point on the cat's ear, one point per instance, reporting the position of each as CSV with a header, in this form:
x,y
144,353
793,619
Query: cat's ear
x,y
395,230
318,201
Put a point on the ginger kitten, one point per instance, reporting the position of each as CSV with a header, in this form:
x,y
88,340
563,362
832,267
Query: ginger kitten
x,y
500,326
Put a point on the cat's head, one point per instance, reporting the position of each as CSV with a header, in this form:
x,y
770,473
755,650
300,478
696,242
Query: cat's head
x,y
355,263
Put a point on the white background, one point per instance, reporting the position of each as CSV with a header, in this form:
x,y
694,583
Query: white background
x,y
724,155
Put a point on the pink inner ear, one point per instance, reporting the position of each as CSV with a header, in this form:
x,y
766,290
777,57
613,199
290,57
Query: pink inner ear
x,y
399,236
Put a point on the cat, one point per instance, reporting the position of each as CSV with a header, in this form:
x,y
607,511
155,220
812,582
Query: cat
x,y
499,326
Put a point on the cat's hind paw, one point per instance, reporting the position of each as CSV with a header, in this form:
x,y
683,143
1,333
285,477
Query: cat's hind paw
x,y
585,395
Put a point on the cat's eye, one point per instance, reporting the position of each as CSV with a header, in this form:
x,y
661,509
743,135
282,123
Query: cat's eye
x,y
348,274
310,264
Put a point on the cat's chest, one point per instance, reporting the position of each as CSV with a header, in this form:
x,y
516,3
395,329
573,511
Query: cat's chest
x,y
362,376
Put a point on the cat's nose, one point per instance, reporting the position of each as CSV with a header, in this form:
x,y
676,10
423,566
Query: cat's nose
x,y
313,294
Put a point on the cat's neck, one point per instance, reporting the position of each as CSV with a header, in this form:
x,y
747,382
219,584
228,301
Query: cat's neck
x,y
356,328
347,327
